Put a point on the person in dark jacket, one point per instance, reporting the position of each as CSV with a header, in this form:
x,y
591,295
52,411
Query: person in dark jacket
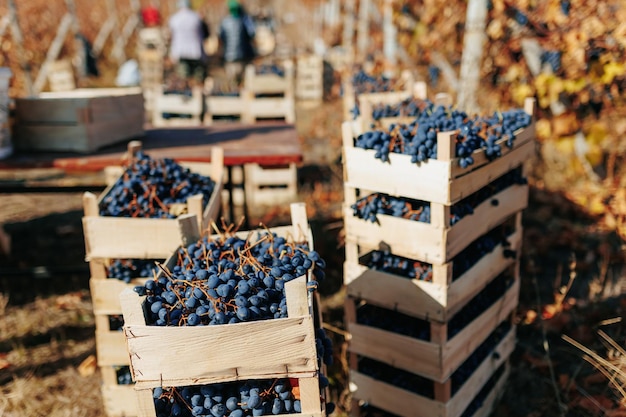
x,y
236,34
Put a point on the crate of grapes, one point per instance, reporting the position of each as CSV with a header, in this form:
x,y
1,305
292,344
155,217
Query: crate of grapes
x,y
269,78
441,157
135,216
429,290
429,231
310,78
269,92
395,393
222,300
376,89
426,347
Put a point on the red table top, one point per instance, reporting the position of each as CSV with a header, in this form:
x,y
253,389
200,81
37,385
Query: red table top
x,y
267,143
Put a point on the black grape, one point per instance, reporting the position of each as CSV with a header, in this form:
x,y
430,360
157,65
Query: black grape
x,y
149,187
128,269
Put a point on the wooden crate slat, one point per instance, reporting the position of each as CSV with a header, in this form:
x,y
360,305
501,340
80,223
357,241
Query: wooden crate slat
x,y
427,242
105,293
408,404
111,348
118,400
394,399
309,400
148,238
433,300
78,138
487,368
494,395
397,350
434,360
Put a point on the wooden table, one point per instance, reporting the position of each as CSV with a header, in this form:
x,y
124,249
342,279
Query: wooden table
x,y
267,144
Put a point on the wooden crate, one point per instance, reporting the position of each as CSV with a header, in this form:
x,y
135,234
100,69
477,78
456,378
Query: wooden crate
x,y
118,400
177,105
438,299
224,106
227,353
61,76
82,120
157,359
407,404
310,78
267,186
146,238
270,83
309,394
437,358
435,242
440,180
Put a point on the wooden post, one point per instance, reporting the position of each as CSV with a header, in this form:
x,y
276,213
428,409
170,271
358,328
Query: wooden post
x,y
19,40
129,27
473,42
363,34
348,26
53,52
389,33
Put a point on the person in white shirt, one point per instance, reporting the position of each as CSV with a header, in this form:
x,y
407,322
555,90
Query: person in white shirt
x,y
187,43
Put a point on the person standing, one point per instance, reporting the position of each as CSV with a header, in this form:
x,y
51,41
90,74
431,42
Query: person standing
x,y
187,43
236,33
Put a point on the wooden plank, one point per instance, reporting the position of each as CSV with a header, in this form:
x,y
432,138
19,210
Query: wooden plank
x,y
119,400
494,395
393,399
109,237
111,348
404,352
481,375
437,300
464,343
427,242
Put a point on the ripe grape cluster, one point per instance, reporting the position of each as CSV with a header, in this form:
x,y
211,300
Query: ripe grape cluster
x,y
385,261
375,204
367,83
372,205
418,139
128,269
229,279
265,69
150,187
411,107
234,399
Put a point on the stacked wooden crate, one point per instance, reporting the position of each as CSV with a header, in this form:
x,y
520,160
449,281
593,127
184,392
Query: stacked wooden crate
x,y
109,239
202,356
82,120
223,102
310,79
177,108
430,345
269,95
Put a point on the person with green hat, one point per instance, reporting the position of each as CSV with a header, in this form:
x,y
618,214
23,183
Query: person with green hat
x,y
236,33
